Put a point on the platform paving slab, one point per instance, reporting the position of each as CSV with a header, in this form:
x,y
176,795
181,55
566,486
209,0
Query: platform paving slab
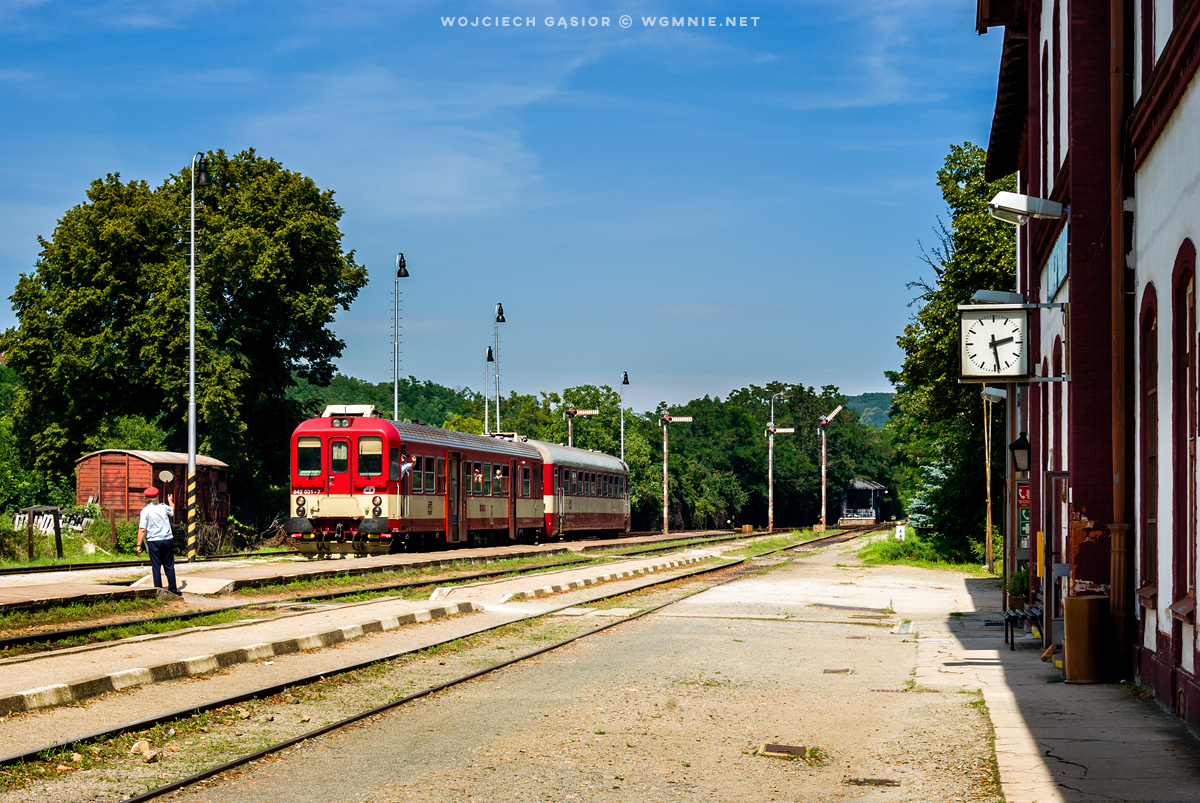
x,y
15,598
1059,742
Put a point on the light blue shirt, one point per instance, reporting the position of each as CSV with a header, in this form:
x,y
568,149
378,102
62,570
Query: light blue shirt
x,y
156,521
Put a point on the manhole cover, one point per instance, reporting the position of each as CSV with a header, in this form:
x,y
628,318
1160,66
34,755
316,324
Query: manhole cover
x,y
836,671
783,750
872,782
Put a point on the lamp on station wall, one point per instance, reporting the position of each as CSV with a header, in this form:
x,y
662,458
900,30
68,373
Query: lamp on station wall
x,y
1020,449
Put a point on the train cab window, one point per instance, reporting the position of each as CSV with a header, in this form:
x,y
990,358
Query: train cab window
x,y
308,457
339,457
487,479
430,487
525,481
393,465
370,456
477,480
504,480
418,464
441,475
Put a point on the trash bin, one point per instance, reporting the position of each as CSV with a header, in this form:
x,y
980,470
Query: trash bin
x,y
1083,635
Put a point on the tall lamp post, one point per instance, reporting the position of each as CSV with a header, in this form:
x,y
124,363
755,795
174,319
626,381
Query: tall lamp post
x,y
486,380
401,273
822,426
200,166
669,419
499,320
771,430
624,383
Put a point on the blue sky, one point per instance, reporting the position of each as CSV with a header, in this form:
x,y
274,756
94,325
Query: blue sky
x,y
703,207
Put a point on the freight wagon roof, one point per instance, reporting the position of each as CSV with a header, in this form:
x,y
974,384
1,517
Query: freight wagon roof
x,y
561,455
463,440
159,457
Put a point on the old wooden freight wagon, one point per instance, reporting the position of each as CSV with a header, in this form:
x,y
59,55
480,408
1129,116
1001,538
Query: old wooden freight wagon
x,y
116,479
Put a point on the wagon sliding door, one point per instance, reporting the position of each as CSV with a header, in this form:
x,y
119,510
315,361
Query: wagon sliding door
x,y
454,501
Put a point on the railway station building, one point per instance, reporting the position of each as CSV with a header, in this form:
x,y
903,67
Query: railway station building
x,y
1098,108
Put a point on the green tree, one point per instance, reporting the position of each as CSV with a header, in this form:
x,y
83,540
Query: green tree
x,y
939,422
103,335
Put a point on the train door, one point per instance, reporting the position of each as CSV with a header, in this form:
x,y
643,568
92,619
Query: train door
x,y
339,468
513,485
454,500
560,500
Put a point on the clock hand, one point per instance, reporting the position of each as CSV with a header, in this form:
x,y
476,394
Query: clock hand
x,y
1000,342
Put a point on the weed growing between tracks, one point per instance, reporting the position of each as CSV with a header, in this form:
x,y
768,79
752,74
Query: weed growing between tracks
x,y
18,622
107,769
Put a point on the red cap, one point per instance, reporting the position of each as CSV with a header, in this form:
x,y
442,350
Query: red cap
x,y
151,491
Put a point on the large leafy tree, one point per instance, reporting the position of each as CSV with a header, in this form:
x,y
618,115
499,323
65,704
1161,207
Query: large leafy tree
x,y
103,318
939,425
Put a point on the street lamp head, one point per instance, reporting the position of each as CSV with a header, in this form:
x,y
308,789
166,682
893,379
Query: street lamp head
x,y
500,313
202,179
624,377
401,267
1020,449
490,358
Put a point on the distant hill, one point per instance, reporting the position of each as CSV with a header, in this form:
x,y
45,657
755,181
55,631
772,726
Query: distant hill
x,y
872,408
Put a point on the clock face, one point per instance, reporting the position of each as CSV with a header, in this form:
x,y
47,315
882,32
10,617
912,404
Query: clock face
x,y
994,343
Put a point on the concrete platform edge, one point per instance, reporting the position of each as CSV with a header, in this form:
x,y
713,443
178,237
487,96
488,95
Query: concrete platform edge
x,y
80,690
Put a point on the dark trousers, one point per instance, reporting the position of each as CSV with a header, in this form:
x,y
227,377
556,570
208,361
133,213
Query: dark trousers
x,y
162,554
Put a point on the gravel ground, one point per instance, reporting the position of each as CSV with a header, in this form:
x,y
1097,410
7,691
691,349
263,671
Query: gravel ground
x,y
671,706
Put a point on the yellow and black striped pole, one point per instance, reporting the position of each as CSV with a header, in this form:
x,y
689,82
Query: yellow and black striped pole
x,y
191,515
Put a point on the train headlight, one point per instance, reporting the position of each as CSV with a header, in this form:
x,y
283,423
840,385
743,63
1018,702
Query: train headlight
x,y
376,511
300,501
299,512
376,501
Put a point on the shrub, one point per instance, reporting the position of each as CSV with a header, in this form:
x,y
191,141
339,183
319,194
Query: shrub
x,y
1018,583
890,550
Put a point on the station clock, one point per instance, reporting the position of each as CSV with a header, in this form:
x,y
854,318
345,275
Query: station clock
x,y
993,342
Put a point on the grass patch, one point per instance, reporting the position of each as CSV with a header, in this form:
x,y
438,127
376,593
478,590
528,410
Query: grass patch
x,y
914,551
76,612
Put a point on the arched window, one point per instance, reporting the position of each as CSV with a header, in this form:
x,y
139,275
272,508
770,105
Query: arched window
x,y
1183,420
1056,408
1148,436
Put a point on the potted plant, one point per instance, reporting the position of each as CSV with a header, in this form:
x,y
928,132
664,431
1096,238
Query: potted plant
x,y
1017,587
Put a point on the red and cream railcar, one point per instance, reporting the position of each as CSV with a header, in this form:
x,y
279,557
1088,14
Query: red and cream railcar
x,y
364,485
586,491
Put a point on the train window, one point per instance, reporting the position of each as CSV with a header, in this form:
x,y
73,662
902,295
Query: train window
x,y
557,484
487,479
592,483
607,492
393,465
441,475
370,456
525,481
308,457
477,480
339,457
429,480
418,464
504,480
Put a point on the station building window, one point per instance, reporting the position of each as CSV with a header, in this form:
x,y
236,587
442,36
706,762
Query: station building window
x,y
1149,433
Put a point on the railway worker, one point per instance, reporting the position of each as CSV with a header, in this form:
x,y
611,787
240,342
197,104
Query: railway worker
x,y
154,530
405,465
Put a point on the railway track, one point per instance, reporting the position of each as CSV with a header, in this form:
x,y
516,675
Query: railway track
x,y
53,636
730,572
